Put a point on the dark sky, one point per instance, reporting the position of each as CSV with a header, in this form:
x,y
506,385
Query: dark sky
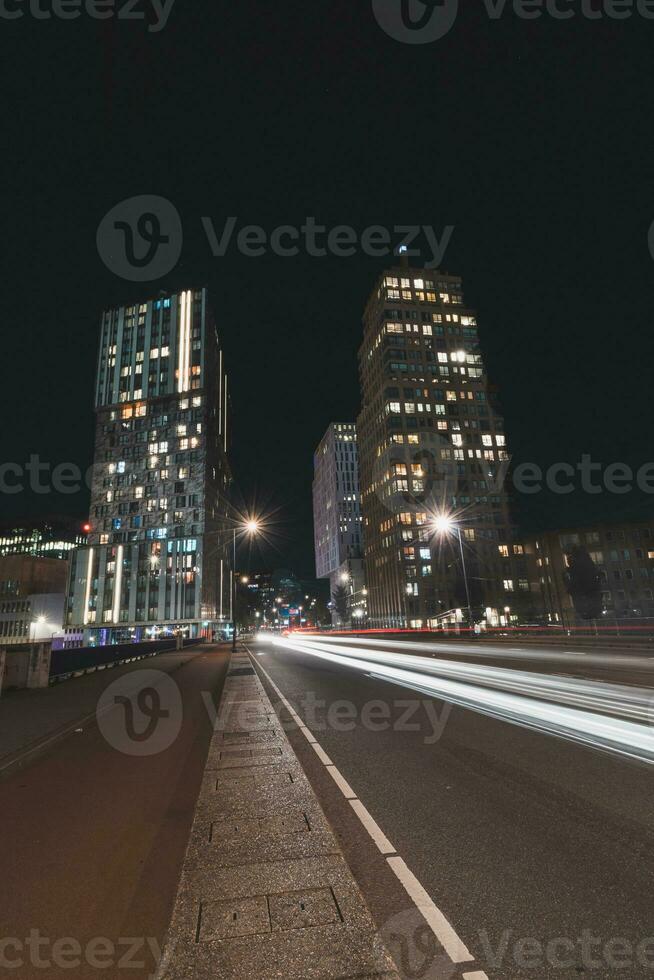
x,y
534,139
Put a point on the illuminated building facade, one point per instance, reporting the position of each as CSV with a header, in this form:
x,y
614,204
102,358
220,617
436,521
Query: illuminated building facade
x,y
431,441
623,555
32,590
44,541
337,516
157,558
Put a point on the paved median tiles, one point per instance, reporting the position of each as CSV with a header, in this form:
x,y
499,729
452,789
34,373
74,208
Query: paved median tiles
x,y
265,891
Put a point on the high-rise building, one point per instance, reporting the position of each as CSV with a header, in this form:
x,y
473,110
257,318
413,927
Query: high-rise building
x,y
431,443
157,558
337,517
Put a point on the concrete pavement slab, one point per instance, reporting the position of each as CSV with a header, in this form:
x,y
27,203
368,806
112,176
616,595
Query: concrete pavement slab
x,y
265,891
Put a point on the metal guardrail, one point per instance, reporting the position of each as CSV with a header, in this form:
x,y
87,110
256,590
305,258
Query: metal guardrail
x,y
86,660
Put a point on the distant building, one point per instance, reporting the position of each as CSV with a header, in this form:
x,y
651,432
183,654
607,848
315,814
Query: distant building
x,y
431,442
41,541
260,590
337,518
286,585
32,596
158,555
623,554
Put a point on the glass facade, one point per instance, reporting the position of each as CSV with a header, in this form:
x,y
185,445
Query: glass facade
x,y
157,556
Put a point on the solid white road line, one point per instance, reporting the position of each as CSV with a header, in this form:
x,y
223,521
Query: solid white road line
x,y
447,937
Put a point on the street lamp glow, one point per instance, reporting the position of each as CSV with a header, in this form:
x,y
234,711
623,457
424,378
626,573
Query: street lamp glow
x,y
250,526
443,523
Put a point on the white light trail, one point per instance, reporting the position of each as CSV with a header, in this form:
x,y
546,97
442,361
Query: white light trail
x,y
485,650
610,717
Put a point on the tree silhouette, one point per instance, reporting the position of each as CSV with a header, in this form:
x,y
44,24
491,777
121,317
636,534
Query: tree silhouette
x,y
339,598
583,584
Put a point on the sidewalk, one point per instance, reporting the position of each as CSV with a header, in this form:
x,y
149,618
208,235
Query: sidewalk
x,y
265,891
31,717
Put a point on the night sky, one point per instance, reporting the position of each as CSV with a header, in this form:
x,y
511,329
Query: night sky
x,y
533,138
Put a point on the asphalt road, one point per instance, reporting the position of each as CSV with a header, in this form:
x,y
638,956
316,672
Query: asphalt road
x,y
94,833
538,851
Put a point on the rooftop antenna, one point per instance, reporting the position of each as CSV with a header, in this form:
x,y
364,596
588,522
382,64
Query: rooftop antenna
x,y
403,251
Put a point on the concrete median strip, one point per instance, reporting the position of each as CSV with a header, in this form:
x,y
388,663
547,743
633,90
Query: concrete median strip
x,y
264,890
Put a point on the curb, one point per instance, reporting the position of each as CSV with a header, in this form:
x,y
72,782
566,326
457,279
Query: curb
x,y
265,891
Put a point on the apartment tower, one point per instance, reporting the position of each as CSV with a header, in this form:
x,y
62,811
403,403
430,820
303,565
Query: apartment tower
x,y
431,444
157,557
337,517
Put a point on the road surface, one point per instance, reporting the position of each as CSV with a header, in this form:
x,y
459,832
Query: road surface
x,y
93,837
538,851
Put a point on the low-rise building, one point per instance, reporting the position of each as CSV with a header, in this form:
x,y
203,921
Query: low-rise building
x,y
32,597
623,554
48,540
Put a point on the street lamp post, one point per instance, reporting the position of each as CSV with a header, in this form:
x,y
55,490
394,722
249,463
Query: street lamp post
x,y
248,527
446,525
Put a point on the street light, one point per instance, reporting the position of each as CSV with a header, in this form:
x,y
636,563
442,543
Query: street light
x,y
35,623
445,524
249,527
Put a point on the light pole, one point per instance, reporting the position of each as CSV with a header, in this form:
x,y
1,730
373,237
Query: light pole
x,y
249,527
444,524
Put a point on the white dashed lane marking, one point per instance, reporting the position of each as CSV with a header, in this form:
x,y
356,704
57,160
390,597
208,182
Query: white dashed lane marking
x,y
442,929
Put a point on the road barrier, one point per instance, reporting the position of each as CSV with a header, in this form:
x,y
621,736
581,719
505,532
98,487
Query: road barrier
x,y
84,660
